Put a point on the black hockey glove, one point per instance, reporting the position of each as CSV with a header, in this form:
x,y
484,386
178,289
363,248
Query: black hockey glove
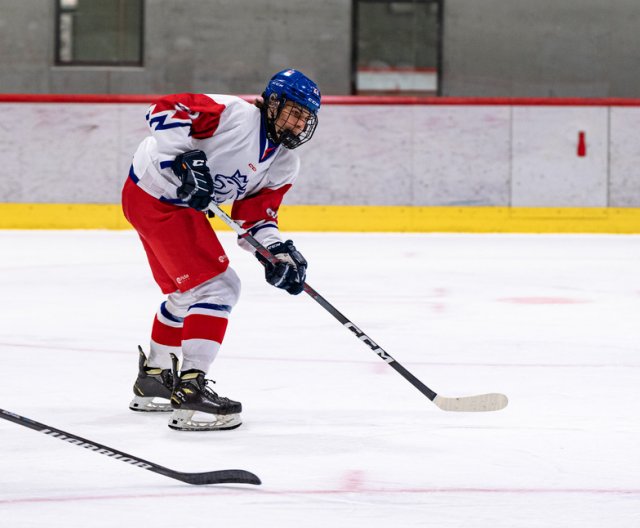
x,y
196,183
290,273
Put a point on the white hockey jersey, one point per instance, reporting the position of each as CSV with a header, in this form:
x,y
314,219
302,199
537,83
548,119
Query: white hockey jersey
x,y
247,169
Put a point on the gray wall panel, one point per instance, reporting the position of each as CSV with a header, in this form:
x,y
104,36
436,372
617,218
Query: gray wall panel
x,y
26,44
577,48
69,80
574,48
211,46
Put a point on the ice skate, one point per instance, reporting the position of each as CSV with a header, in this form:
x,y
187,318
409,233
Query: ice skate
x,y
196,407
152,388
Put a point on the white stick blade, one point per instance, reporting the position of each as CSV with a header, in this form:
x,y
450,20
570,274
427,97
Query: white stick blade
x,y
479,403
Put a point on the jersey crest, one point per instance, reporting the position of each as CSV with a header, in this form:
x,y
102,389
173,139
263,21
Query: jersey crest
x,y
229,187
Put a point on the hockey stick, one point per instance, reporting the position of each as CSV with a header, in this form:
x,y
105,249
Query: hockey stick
x,y
480,402
225,476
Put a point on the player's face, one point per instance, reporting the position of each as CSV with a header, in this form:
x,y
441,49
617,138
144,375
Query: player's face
x,y
293,118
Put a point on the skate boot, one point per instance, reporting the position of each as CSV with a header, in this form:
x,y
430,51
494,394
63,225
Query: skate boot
x,y
196,407
152,388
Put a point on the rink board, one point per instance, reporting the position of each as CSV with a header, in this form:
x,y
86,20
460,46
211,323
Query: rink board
x,y
337,218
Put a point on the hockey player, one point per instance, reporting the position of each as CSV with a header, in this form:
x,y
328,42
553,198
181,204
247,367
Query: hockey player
x,y
207,148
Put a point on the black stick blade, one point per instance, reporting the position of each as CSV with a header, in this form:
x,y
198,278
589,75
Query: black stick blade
x,y
224,476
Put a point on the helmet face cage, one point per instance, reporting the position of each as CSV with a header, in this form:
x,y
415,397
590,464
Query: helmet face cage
x,y
290,86
288,138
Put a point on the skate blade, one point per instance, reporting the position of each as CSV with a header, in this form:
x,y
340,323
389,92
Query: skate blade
x,y
146,404
183,420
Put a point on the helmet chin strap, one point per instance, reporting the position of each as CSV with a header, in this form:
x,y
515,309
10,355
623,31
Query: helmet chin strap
x,y
288,140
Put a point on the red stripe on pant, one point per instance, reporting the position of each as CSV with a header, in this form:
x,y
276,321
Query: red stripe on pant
x,y
197,326
166,335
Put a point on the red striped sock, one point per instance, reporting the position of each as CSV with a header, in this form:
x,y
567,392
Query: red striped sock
x,y
198,326
166,335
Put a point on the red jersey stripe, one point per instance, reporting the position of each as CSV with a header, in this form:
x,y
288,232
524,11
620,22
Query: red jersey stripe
x,y
261,206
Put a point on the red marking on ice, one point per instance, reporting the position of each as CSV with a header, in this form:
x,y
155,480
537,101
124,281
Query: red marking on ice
x,y
353,480
543,300
220,490
380,368
439,306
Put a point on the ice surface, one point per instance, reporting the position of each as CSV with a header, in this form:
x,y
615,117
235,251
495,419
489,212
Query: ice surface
x,y
338,438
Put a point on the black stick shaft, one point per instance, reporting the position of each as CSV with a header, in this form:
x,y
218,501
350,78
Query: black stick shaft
x,y
212,477
383,354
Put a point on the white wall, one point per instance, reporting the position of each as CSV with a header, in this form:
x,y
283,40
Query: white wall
x,y
546,167
361,155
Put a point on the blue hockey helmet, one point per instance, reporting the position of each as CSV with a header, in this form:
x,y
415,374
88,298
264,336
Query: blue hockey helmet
x,y
294,86
291,85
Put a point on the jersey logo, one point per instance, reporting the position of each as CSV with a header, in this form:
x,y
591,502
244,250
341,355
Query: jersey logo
x,y
229,187
166,119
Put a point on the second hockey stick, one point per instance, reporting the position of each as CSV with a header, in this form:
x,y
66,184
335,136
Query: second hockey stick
x,y
224,476
477,403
